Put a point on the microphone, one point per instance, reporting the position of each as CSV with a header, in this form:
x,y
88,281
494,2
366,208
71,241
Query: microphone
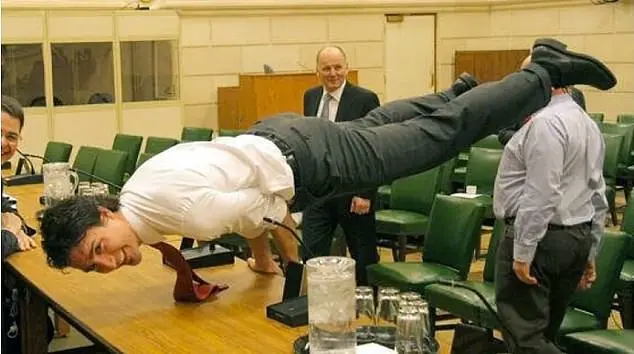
x,y
20,180
25,157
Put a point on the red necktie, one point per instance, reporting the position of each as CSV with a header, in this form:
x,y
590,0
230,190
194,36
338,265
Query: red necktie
x,y
189,286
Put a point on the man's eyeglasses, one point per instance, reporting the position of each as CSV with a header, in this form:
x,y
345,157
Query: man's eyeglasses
x,y
11,137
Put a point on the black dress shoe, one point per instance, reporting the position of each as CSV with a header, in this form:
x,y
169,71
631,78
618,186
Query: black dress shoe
x,y
569,68
464,83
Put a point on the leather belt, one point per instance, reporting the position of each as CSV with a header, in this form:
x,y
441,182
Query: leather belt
x,y
551,227
287,151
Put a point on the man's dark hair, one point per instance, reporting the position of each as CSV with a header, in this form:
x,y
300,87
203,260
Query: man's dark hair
x,y
65,224
12,107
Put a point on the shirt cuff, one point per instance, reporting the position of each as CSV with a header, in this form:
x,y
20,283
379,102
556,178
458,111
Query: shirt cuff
x,y
522,253
278,210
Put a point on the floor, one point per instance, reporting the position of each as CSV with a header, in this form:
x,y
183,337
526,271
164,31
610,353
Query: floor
x,y
74,339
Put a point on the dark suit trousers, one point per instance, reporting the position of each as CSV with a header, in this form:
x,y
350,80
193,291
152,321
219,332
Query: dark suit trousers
x,y
320,221
401,138
534,312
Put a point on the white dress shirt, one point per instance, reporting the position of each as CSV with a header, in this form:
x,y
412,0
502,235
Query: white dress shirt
x,y
333,104
205,189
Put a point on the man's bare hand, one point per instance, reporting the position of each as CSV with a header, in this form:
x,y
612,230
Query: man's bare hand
x,y
588,277
13,223
360,205
523,272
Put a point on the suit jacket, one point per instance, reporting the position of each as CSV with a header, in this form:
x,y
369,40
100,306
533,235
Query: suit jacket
x,y
355,103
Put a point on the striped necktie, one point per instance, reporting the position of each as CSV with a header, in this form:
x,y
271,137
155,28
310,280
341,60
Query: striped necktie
x,y
325,109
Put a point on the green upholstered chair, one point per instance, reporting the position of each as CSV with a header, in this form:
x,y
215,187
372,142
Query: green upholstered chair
x,y
489,142
447,251
481,172
625,290
597,118
130,144
155,144
85,161
462,164
626,159
57,152
605,341
626,118
613,143
230,132
462,302
383,195
196,134
407,217
144,156
110,166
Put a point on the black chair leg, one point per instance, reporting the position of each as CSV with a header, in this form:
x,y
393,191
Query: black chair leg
x,y
613,216
402,248
626,304
432,321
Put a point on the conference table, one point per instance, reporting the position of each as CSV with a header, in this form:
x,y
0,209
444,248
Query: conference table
x,y
132,310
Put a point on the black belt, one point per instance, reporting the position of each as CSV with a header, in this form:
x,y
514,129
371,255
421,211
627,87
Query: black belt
x,y
287,151
551,227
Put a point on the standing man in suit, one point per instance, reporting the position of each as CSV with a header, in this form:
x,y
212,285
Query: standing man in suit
x,y
339,100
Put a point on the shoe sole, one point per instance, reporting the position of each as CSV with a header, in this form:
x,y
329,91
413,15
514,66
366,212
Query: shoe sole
x,y
562,49
469,80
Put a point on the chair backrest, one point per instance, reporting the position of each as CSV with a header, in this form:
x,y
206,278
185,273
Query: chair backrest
x,y
627,131
613,143
598,299
85,161
597,117
627,118
489,142
452,232
144,156
155,144
417,192
110,166
482,169
57,151
196,134
230,132
446,184
130,144
499,228
628,224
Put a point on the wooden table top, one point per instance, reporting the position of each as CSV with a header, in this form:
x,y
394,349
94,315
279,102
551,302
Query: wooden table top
x,y
132,309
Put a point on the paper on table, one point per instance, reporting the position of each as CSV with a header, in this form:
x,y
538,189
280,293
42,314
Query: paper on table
x,y
373,348
465,195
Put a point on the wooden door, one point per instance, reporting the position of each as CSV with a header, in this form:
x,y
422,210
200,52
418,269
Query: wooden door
x,y
489,65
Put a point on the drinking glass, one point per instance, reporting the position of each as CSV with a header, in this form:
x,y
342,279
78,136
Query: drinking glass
x,y
409,331
365,315
386,314
331,305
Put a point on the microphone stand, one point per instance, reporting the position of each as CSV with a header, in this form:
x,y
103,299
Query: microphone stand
x,y
29,178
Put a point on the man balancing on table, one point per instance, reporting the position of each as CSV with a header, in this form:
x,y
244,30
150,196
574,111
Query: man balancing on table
x,y
285,163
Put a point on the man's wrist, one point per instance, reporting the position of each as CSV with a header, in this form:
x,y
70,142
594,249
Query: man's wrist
x,y
522,253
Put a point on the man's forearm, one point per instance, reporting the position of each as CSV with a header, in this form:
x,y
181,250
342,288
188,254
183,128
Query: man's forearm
x,y
284,240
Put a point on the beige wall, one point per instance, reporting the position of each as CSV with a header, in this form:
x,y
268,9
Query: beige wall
x,y
214,50
606,31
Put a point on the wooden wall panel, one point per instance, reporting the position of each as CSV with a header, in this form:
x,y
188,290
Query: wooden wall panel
x,y
489,65
262,95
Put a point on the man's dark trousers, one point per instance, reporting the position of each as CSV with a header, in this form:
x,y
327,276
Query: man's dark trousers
x,y
401,138
534,312
320,220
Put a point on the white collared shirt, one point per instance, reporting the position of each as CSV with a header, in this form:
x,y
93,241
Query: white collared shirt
x,y
205,189
333,104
